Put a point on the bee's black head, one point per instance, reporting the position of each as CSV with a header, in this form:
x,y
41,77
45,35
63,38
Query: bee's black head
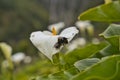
x,y
62,40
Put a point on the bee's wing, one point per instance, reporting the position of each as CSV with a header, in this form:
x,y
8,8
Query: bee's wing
x,y
69,33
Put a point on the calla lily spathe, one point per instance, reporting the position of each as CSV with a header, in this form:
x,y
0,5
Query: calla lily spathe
x,y
45,41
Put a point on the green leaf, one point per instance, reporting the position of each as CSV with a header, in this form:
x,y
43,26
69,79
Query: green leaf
x,y
39,78
113,47
85,63
64,75
58,76
112,30
107,69
114,41
107,12
83,53
109,50
112,35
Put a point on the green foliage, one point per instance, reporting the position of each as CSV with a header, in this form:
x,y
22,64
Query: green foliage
x,y
85,63
107,12
83,53
62,75
112,30
38,67
107,69
112,35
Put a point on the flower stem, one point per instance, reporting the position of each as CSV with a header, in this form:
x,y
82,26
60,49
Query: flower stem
x,y
58,61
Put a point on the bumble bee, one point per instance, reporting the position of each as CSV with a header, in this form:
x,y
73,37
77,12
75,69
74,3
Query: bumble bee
x,y
61,41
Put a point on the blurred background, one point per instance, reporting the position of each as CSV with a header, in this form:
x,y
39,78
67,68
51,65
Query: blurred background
x,y
18,18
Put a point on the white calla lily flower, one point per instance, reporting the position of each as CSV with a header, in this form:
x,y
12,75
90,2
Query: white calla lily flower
x,y
47,32
85,25
18,57
45,42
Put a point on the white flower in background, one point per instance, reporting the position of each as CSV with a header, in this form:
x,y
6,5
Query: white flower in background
x,y
27,59
18,57
58,26
85,25
95,41
50,44
79,42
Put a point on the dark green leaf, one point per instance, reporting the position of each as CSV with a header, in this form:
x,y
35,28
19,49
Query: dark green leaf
x,y
109,50
107,69
112,35
64,75
112,30
85,63
58,76
107,12
83,53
